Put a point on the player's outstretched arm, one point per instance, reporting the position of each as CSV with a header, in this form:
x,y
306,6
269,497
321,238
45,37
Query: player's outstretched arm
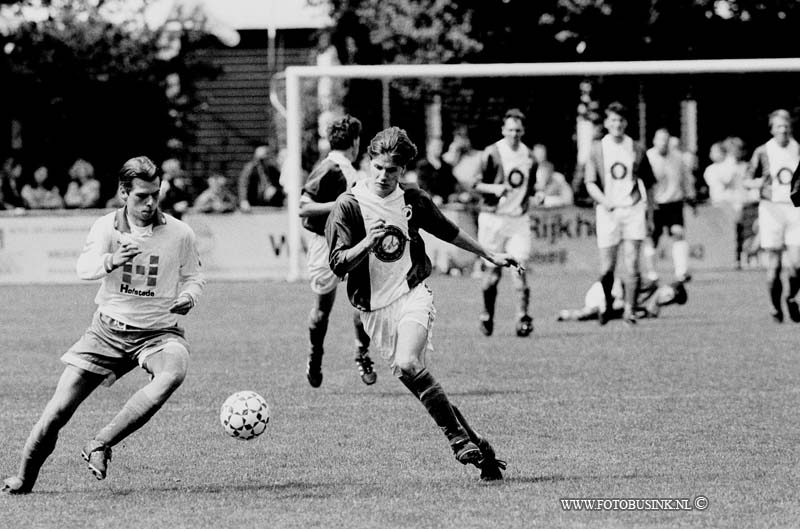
x,y
465,241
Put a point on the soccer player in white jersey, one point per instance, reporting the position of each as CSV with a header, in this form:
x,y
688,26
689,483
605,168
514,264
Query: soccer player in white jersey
x,y
674,187
507,185
150,271
374,236
771,170
333,176
619,179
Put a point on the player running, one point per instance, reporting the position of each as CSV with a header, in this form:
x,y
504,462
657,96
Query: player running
x,y
507,184
151,272
374,236
333,176
771,171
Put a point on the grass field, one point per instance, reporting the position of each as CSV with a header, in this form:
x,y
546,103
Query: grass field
x,y
702,401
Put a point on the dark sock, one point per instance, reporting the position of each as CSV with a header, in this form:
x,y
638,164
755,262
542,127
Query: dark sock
x,y
433,397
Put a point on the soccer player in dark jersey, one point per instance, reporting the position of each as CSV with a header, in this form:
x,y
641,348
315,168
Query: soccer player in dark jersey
x,y
333,176
150,272
374,235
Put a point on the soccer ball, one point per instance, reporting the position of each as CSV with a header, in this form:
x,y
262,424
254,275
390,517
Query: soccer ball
x,y
244,415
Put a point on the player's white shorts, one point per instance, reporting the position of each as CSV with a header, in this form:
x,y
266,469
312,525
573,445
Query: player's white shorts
x,y
621,223
322,278
778,225
381,325
505,233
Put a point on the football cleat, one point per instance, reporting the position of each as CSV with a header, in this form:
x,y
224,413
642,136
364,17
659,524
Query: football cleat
x,y
314,369
13,486
491,467
777,315
97,455
793,309
364,362
486,323
525,326
604,317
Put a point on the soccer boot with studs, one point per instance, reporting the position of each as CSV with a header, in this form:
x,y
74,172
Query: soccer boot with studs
x,y
793,309
524,326
97,455
14,486
486,323
466,452
491,467
314,368
365,370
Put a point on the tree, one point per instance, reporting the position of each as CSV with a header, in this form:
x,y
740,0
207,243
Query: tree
x,y
92,80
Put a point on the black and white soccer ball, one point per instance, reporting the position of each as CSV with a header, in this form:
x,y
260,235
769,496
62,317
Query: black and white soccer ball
x,y
244,415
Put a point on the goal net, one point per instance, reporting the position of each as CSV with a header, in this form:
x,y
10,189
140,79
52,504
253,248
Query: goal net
x,y
701,102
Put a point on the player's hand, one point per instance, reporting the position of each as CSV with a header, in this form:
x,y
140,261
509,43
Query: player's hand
x,y
375,232
125,253
504,259
538,198
182,305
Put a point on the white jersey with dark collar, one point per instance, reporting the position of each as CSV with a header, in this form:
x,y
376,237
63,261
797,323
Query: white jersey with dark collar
x,y
140,292
398,263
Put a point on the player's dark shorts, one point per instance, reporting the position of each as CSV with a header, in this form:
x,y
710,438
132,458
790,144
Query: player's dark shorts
x,y
666,215
112,348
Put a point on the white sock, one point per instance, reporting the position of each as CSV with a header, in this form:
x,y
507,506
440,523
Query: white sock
x,y
680,258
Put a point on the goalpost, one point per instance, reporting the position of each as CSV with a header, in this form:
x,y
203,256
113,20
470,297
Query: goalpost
x,y
294,111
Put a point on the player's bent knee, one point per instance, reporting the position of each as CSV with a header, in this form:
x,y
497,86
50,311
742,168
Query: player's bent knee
x,y
407,368
170,364
677,232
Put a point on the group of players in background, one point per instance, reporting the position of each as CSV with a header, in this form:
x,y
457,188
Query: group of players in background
x,y
367,231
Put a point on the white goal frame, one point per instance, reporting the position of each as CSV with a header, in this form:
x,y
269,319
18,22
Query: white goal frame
x,y
294,113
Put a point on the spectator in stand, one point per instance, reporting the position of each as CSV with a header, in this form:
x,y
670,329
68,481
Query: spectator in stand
x,y
175,195
217,198
115,202
552,188
41,193
434,175
11,185
259,182
84,189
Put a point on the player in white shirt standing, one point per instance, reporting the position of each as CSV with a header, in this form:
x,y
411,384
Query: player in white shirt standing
x,y
151,272
771,170
507,185
674,187
619,179
374,236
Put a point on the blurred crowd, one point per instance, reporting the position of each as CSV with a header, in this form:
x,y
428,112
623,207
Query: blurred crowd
x,y
35,188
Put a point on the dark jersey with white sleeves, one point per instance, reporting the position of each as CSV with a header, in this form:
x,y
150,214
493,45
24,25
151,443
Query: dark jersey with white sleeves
x,y
398,262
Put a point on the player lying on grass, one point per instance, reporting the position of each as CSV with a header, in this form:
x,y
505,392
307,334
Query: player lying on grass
x,y
374,237
150,271
652,297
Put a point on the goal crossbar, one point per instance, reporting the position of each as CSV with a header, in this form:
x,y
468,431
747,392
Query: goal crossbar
x,y
294,75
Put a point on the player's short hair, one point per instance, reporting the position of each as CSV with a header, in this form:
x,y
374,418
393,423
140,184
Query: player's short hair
x,y
514,113
140,167
781,113
343,132
617,108
395,143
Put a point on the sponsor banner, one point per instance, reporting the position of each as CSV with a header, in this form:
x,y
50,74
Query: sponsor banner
x,y
565,238
43,248
39,248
